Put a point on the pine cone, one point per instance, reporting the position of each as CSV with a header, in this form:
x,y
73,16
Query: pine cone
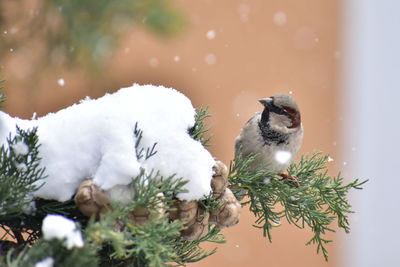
x,y
229,214
219,181
197,227
193,218
139,216
185,211
91,200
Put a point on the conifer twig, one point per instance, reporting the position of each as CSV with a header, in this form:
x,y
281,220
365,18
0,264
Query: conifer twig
x,y
316,203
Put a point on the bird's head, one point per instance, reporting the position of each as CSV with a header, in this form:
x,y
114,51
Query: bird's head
x,y
281,111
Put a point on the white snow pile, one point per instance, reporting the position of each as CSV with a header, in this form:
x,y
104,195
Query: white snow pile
x,y
47,262
95,140
20,148
64,229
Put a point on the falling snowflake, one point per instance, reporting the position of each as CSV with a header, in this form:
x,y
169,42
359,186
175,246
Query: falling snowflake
x,y
61,82
177,58
279,18
210,59
283,156
211,34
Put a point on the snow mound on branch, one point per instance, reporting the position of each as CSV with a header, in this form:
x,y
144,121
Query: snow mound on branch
x,y
47,262
64,229
95,139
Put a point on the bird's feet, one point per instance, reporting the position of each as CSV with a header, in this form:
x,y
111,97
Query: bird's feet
x,y
290,177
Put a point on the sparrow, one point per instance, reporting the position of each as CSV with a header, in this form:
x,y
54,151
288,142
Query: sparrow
x,y
273,136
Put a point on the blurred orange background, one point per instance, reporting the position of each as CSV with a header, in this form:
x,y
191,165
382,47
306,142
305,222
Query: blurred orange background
x,y
232,53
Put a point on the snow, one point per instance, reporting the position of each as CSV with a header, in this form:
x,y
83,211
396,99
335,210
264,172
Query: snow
x,y
330,159
21,167
61,82
95,139
177,58
279,18
211,34
210,59
62,228
30,208
20,148
283,157
47,262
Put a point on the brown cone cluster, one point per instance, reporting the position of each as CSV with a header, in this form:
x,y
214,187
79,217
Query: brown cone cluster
x,y
196,219
92,201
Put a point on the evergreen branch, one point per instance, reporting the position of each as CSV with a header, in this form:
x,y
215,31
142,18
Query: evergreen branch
x,y
190,251
210,203
259,187
155,242
199,130
63,257
152,191
150,151
20,173
121,241
318,202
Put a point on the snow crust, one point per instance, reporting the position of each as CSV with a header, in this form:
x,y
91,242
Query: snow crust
x,y
95,140
62,228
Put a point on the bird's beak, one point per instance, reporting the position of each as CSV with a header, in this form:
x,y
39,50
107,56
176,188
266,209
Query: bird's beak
x,y
266,101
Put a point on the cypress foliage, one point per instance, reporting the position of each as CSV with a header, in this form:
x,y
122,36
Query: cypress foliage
x,y
115,239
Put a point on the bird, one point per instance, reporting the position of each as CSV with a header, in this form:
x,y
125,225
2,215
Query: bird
x,y
273,136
